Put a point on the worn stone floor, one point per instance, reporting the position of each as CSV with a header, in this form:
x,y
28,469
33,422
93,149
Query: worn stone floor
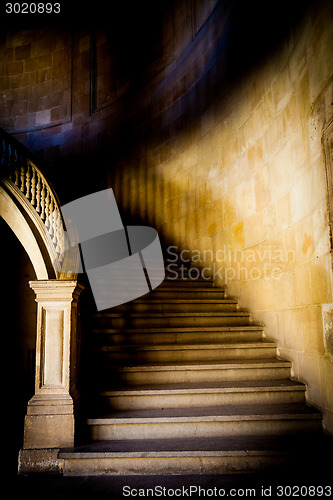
x,y
291,483
121,487
283,483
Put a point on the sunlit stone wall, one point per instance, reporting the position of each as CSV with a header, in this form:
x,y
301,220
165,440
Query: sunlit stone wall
x,y
234,175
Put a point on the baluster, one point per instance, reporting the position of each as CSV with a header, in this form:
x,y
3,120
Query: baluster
x,y
15,166
11,166
50,218
22,178
56,232
47,207
33,188
11,171
60,235
42,201
9,155
54,227
17,159
17,176
38,189
4,160
28,182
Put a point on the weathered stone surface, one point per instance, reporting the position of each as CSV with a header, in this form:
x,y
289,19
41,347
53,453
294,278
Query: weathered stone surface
x,y
42,460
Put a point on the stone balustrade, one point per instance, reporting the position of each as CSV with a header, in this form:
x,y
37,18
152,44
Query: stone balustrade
x,y
28,182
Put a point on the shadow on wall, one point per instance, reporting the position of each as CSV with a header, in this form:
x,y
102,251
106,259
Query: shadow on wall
x,y
236,38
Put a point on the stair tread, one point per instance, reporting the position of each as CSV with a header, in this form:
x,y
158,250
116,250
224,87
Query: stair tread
x,y
210,365
173,329
188,346
235,386
186,279
172,314
293,411
188,290
226,444
183,301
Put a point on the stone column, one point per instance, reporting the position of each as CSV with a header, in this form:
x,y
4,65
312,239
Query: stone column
x,y
49,422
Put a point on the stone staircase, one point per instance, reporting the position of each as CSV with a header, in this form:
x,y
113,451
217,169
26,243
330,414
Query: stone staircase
x,y
181,382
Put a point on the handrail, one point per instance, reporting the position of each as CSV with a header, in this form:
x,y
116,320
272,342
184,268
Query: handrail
x,y
29,186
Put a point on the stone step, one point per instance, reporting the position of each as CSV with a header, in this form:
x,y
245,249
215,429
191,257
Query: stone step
x,y
180,282
173,335
194,372
160,320
178,305
204,394
208,422
174,293
197,455
180,362
190,273
155,353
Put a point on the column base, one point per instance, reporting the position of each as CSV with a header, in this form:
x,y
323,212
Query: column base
x,y
41,460
49,422
48,431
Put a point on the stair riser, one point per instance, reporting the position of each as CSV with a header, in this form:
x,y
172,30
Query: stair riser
x,y
158,465
176,321
183,430
193,376
185,283
172,356
188,307
184,272
200,400
169,338
189,294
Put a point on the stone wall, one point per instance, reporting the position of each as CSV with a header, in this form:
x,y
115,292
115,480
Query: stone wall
x,y
235,176
35,79
214,137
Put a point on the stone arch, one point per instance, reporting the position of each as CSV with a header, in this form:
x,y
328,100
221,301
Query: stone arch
x,y
27,235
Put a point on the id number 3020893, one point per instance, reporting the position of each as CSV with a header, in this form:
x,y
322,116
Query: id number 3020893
x,y
32,8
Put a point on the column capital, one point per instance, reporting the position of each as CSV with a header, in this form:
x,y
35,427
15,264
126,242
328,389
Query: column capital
x,y
56,290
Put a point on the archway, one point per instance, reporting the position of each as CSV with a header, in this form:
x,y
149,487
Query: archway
x,y
18,328
16,220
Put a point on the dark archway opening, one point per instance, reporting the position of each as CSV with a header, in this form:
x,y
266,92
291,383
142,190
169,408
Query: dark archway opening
x,y
18,333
